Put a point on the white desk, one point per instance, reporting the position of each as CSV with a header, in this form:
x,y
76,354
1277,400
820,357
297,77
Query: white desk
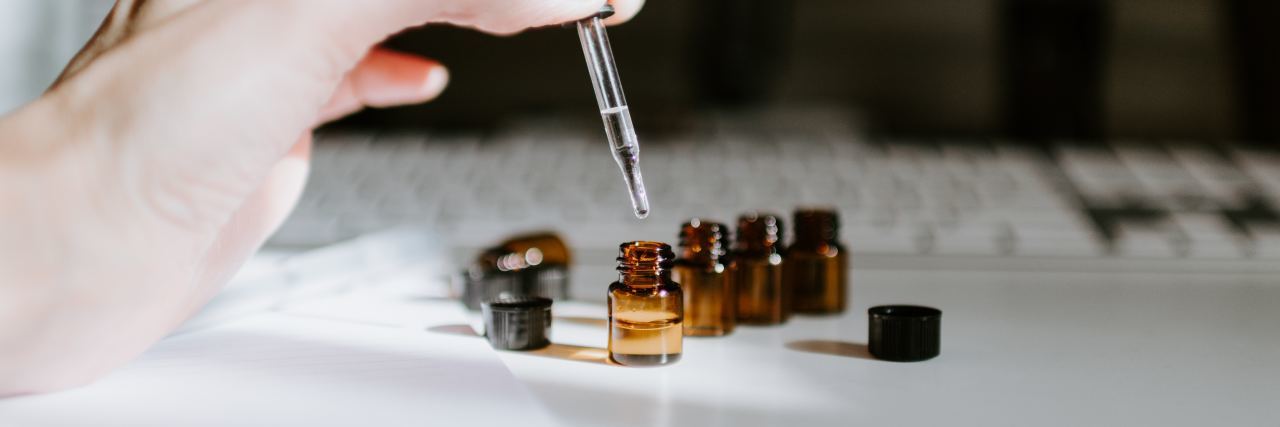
x,y
1017,349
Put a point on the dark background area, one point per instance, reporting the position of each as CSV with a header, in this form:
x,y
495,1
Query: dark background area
x,y
1028,69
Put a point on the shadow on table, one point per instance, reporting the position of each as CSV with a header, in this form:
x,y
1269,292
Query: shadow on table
x,y
832,348
459,329
575,353
303,357
585,321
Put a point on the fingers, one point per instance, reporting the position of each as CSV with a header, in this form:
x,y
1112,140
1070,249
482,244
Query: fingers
x,y
624,11
511,17
386,78
126,17
506,17
503,17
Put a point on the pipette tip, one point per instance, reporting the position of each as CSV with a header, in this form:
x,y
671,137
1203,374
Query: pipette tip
x,y
639,200
635,184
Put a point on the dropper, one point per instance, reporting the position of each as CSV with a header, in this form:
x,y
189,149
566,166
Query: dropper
x,y
613,105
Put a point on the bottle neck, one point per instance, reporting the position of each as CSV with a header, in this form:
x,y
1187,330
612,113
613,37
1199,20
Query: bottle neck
x,y
644,280
758,234
703,242
814,240
644,264
703,255
816,228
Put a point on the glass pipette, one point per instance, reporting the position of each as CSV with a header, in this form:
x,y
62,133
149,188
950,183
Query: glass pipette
x,y
613,106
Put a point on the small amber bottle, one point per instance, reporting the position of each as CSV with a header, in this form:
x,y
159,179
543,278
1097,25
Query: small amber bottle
x,y
531,265
815,265
757,268
706,279
646,308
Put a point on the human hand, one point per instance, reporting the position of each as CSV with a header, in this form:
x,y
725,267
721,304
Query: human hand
x,y
174,144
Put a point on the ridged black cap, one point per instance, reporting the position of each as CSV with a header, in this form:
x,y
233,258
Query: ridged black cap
x,y
518,323
904,333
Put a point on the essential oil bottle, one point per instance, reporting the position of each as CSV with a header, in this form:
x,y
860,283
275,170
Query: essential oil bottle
x,y
816,264
531,265
646,307
757,268
706,279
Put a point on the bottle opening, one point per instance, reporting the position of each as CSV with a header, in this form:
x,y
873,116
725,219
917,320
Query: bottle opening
x,y
644,258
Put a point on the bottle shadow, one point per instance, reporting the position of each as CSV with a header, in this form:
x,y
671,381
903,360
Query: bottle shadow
x,y
574,353
459,329
833,348
585,321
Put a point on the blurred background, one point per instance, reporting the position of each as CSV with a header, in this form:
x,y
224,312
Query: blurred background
x,y
37,39
1043,129
1202,69
1023,68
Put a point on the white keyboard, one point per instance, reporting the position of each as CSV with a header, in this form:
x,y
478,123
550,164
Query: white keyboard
x,y
904,200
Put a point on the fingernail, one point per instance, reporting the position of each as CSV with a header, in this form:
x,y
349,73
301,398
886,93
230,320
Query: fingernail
x,y
437,79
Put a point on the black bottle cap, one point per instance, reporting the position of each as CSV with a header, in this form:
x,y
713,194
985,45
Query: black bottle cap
x,y
904,333
518,323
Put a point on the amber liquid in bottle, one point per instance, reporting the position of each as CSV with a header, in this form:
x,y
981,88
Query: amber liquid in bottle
x,y
705,277
646,311
816,264
757,268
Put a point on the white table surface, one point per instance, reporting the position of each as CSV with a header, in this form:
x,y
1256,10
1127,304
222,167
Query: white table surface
x,y
1020,349
352,360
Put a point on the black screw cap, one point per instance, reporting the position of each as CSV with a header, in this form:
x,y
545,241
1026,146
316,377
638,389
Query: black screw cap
x,y
518,323
904,333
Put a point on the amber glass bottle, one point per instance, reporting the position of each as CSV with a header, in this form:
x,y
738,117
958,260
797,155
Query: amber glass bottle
x,y
645,307
757,269
815,265
531,265
706,279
